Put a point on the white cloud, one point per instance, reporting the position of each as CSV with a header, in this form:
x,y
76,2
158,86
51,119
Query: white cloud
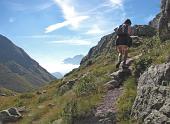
x,y
115,3
87,19
59,67
56,26
95,30
55,65
44,6
39,36
78,42
71,16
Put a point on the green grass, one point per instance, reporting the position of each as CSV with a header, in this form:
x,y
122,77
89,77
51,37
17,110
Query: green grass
x,y
87,92
125,101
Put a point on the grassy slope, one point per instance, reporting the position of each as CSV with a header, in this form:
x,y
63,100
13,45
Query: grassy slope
x,y
88,90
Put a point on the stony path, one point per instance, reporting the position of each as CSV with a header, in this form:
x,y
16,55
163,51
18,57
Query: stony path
x,y
106,110
109,100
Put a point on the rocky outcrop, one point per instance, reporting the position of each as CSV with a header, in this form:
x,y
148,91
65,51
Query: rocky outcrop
x,y
104,45
164,23
67,85
152,104
9,115
117,78
155,22
144,31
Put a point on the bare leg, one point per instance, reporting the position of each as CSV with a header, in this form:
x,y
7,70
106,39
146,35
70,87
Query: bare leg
x,y
119,57
125,57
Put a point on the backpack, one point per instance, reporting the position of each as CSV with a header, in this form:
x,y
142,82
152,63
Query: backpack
x,y
122,30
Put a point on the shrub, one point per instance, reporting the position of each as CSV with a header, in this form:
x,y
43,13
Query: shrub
x,y
70,112
26,96
42,98
86,86
141,65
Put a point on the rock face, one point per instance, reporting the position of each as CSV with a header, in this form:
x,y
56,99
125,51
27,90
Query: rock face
x,y
9,115
155,22
105,45
18,71
144,30
152,104
164,23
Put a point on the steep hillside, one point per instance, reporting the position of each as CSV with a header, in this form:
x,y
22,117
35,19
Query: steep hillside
x,y
18,71
97,92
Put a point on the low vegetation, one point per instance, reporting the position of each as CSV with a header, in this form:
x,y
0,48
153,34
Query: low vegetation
x,y
88,90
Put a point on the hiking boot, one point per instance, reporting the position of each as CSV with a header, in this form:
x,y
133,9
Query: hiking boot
x,y
117,65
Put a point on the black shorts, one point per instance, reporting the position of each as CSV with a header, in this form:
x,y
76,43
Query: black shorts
x,y
122,41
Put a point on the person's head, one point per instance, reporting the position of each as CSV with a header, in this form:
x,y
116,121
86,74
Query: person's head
x,y
128,22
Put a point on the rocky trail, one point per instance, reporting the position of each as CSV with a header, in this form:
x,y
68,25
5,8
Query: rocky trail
x,y
106,110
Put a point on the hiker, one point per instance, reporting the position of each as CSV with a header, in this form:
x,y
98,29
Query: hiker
x,y
123,42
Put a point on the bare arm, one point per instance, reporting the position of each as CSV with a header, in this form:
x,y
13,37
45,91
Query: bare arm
x,y
130,30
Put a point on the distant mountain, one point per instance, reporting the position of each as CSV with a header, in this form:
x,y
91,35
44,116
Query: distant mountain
x,y
58,75
18,71
75,60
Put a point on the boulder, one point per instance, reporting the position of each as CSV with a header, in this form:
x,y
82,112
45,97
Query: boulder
x,y
153,95
66,86
9,115
3,94
155,117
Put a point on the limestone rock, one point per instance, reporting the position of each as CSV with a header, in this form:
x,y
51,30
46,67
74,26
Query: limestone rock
x,y
155,117
155,22
153,95
164,23
9,115
144,30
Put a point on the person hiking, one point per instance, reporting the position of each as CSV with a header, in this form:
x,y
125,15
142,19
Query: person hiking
x,y
123,42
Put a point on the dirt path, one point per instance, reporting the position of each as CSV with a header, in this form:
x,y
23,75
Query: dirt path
x,y
107,109
109,101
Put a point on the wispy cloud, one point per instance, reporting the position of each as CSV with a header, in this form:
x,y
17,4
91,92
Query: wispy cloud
x,y
44,6
149,18
71,16
55,65
116,3
78,42
39,36
95,30
87,20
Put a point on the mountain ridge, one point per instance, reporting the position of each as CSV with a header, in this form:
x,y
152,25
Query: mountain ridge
x,y
19,72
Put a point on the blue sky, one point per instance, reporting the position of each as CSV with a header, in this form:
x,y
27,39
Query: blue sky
x,y
52,30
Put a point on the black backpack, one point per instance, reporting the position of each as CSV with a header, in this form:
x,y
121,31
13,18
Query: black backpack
x,y
122,30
